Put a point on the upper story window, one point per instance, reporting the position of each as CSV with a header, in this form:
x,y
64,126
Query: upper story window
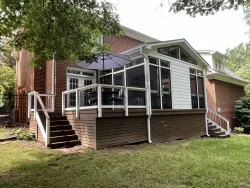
x,y
177,52
217,64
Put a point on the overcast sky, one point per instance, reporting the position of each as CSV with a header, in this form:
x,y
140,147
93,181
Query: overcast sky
x,y
218,32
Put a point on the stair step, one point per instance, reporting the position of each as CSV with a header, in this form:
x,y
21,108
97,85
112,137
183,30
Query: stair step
x,y
62,132
214,129
60,127
223,136
63,138
70,143
209,123
219,133
59,122
52,114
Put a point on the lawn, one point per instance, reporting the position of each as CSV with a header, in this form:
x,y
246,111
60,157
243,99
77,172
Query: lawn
x,y
194,163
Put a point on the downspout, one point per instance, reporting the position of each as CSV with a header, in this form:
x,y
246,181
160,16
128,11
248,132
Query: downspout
x,y
205,95
53,82
146,69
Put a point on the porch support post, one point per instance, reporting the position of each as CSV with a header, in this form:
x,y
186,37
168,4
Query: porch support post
x,y
29,105
99,95
77,103
35,104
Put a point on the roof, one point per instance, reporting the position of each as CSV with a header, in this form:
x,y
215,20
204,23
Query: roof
x,y
226,76
137,35
182,42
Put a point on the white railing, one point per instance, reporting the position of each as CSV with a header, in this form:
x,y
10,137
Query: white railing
x,y
219,120
37,97
80,100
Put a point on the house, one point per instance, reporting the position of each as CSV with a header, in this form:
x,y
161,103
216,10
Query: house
x,y
164,96
223,86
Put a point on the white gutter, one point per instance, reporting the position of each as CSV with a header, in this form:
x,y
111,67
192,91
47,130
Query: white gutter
x,y
148,94
205,95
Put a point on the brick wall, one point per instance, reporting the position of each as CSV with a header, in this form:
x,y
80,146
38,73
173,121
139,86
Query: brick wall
x,y
223,95
226,95
121,43
211,97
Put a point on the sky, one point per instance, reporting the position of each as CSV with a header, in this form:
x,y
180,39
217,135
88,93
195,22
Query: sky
x,y
223,30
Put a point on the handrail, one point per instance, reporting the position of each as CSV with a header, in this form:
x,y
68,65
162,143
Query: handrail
x,y
222,117
43,107
99,98
37,97
227,128
104,86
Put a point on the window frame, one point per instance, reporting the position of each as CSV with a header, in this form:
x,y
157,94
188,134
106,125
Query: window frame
x,y
197,87
190,58
159,66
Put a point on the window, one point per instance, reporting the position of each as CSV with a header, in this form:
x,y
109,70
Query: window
x,y
172,51
177,52
73,84
166,88
106,79
155,89
119,79
71,71
136,61
160,84
136,77
197,88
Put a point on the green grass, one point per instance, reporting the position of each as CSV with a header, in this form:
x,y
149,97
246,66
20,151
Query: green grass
x,y
193,163
6,132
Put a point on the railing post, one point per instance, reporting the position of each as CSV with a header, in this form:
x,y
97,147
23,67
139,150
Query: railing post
x,y
53,103
126,101
29,105
47,132
99,97
77,103
228,127
63,105
35,104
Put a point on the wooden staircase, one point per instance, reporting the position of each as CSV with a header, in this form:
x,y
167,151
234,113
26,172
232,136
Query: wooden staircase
x,y
61,132
216,131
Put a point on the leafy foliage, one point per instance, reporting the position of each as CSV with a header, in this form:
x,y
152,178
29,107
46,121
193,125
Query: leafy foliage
x,y
242,112
205,7
7,79
67,29
238,130
238,60
22,135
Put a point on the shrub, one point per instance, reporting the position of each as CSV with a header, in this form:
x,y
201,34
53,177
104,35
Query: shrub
x,y
239,130
242,112
23,135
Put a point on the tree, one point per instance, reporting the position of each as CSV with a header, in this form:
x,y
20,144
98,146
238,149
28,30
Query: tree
x,y
238,60
8,56
7,79
66,28
205,7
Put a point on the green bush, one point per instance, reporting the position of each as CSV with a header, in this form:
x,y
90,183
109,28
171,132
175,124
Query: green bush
x,y
23,135
238,130
242,112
